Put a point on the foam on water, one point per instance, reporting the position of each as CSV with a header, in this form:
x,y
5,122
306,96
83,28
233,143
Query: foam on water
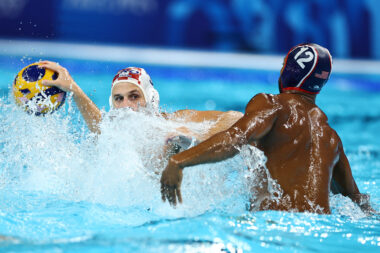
x,y
63,188
120,167
57,156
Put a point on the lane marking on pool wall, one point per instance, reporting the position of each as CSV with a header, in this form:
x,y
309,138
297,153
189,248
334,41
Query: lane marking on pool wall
x,y
169,57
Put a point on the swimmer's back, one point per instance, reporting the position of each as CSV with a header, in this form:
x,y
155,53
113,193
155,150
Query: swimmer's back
x,y
302,148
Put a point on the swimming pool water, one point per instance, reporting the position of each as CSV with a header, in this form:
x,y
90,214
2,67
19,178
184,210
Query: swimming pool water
x,y
60,193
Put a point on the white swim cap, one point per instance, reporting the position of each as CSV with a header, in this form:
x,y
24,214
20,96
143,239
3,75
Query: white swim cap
x,y
141,79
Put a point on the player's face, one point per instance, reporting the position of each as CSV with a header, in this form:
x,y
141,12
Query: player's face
x,y
127,95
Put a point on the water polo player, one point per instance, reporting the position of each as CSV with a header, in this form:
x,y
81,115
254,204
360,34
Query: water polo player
x,y
304,154
132,87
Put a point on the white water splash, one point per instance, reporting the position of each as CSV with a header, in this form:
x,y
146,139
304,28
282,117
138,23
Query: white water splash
x,y
261,185
121,167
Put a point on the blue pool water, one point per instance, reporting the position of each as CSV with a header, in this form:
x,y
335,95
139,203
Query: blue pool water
x,y
61,190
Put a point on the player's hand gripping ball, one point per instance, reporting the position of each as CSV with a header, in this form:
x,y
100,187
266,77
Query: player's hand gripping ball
x,y
32,95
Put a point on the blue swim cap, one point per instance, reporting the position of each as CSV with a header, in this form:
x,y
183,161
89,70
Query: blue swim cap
x,y
306,68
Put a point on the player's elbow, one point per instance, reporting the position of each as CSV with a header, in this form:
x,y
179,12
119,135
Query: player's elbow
x,y
237,137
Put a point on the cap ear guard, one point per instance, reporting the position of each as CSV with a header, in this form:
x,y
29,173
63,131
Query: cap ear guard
x,y
307,68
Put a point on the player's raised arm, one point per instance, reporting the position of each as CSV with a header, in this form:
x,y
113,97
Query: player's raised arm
x,y
88,109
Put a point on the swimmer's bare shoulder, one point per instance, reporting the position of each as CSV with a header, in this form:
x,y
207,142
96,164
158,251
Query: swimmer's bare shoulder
x,y
262,102
222,121
201,116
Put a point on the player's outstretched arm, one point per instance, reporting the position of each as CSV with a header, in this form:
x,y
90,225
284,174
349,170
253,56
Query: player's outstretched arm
x,y
257,121
344,183
88,109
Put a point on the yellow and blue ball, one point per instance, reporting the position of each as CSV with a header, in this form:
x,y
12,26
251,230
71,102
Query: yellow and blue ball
x,y
32,95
